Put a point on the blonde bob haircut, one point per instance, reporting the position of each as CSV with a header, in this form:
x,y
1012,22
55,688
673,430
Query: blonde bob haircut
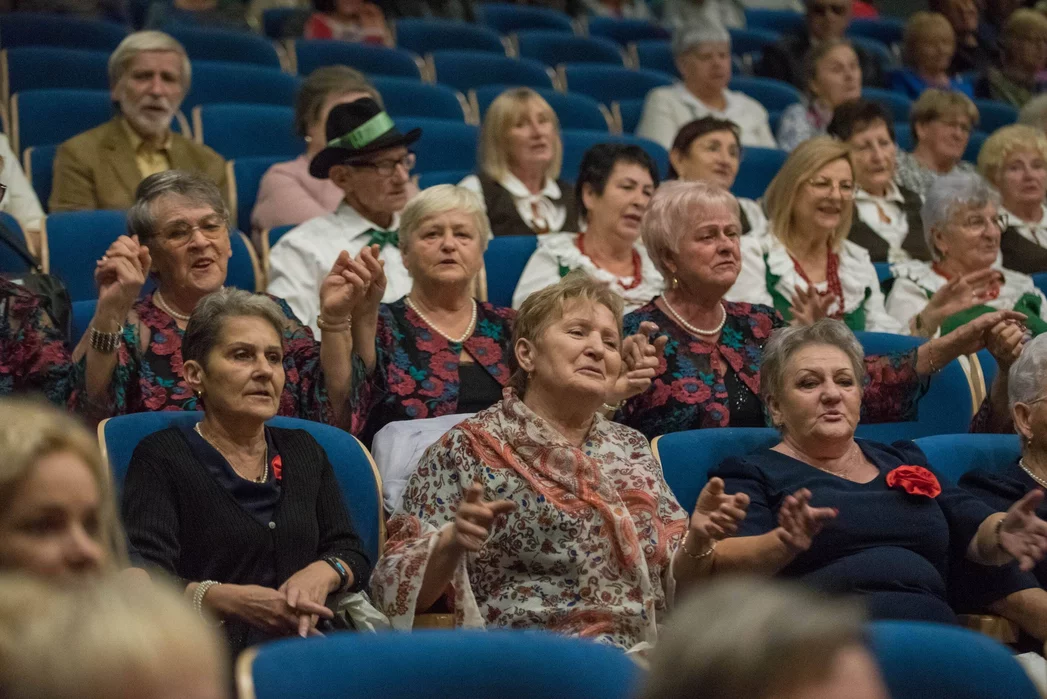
x,y
101,638
441,199
920,27
149,40
803,164
674,210
1024,23
1004,143
31,431
543,308
936,104
503,113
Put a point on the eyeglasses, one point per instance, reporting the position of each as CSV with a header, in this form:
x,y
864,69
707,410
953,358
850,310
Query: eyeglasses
x,y
979,224
179,234
823,10
387,167
964,126
823,187
3,191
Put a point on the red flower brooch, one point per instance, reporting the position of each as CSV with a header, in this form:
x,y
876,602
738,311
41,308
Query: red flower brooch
x,y
915,480
278,468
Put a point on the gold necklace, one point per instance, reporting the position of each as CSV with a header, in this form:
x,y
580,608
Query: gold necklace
x,y
453,340
265,458
1038,479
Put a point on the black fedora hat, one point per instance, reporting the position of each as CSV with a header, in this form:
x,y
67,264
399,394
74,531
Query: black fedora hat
x,y
355,129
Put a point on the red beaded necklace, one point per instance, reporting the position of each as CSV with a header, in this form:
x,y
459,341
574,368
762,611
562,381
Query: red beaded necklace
x,y
637,265
832,278
991,293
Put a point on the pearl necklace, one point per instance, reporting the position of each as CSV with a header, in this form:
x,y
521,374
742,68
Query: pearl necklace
x,y
694,330
162,305
265,457
453,340
1041,481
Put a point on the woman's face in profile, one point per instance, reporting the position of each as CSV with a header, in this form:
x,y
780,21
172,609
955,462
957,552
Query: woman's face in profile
x,y
50,525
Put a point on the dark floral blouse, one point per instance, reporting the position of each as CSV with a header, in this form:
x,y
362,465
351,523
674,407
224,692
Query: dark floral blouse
x,y
416,369
33,355
150,379
702,385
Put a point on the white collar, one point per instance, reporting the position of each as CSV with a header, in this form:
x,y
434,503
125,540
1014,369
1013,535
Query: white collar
x,y
893,194
1021,223
519,190
689,96
350,219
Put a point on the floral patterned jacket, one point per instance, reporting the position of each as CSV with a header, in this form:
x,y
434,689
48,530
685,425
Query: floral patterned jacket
x,y
33,355
148,373
416,369
692,389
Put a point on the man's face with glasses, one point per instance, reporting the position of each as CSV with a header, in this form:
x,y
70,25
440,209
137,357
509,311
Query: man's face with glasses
x,y
828,19
378,182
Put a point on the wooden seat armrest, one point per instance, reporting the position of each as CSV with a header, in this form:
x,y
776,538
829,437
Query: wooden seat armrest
x,y
1003,630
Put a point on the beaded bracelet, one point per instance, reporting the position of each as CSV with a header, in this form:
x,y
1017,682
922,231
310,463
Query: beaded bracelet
x,y
343,575
198,596
703,554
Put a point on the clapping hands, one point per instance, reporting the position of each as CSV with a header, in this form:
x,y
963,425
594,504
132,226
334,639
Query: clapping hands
x,y
1022,534
717,515
799,523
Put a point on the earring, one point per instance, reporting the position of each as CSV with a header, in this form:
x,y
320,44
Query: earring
x,y
308,139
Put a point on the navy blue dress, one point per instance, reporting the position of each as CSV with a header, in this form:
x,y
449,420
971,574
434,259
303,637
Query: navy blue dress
x,y
891,548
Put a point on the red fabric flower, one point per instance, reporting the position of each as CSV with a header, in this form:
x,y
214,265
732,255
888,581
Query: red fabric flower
x,y
486,350
399,382
278,468
431,387
415,409
428,341
444,365
691,390
915,480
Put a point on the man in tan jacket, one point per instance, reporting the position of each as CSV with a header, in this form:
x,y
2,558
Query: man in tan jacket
x,y
149,76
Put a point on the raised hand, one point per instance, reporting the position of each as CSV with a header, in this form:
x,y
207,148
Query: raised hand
x,y
369,302
120,275
973,335
1023,534
1005,341
640,360
799,523
962,292
809,306
717,515
343,288
472,523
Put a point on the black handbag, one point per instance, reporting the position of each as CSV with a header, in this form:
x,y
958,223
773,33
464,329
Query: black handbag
x,y
47,288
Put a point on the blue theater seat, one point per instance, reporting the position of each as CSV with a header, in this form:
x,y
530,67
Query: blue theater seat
x,y
607,84
774,95
504,261
574,111
404,97
431,179
311,54
953,455
423,36
444,145
248,130
781,21
38,163
465,70
626,31
506,18
575,143
204,44
886,30
898,104
40,29
553,48
217,82
49,67
247,175
994,115
757,169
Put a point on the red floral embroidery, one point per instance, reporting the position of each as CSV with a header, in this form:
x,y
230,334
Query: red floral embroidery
x,y
431,387
486,350
691,390
415,409
399,382
914,480
445,365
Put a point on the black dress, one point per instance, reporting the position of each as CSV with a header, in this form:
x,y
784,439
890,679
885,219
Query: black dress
x,y
891,548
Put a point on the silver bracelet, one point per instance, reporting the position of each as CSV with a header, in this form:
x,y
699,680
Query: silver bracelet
x,y
198,595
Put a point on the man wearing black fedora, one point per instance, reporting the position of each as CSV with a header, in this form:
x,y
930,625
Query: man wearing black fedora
x,y
367,157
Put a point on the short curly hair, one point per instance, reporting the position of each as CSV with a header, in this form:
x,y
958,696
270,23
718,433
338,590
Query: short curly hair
x,y
1006,142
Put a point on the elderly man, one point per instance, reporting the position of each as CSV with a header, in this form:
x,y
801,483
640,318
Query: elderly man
x,y
100,169
367,157
703,57
826,19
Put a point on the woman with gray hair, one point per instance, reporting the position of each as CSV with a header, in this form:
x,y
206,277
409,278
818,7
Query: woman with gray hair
x,y
275,539
834,76
710,376
703,57
962,228
851,516
178,232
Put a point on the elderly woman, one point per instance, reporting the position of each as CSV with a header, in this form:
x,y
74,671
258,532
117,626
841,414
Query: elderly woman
x,y
232,467
887,221
33,355
941,126
520,156
710,150
1023,44
852,516
59,519
288,194
754,639
615,184
710,374
804,265
1014,161
963,232
493,517
179,230
973,51
703,58
928,46
834,76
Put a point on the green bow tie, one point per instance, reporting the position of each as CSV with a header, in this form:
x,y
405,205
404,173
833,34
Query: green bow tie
x,y
382,238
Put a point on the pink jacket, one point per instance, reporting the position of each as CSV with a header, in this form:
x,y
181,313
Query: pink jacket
x,y
289,195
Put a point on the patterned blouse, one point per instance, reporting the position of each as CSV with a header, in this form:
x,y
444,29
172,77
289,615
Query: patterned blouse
x,y
33,355
702,385
148,373
587,552
417,369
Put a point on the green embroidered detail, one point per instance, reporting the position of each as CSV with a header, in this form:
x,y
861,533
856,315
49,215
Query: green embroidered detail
x,y
563,269
1029,304
855,320
781,304
365,133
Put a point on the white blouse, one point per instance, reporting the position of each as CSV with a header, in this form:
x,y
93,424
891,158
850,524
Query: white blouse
x,y
1033,232
765,260
527,204
754,212
915,282
895,229
558,254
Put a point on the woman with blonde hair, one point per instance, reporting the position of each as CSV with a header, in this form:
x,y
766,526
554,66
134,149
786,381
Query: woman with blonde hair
x,y
1023,44
519,167
1014,161
804,265
928,47
105,639
58,518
